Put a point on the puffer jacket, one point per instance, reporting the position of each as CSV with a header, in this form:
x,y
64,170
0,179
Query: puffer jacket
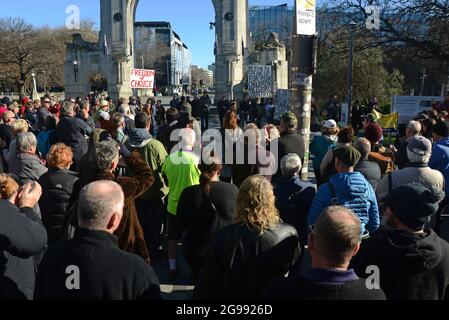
x,y
57,190
242,262
440,160
355,193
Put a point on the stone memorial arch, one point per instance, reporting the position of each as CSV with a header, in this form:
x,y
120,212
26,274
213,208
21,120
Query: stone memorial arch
x,y
113,55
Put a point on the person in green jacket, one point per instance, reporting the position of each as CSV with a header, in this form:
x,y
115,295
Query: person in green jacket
x,y
181,170
150,206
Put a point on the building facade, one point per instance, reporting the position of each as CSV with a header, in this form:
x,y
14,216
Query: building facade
x,y
263,20
160,48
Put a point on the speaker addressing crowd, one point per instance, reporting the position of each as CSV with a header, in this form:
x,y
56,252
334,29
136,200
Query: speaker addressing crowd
x,y
93,196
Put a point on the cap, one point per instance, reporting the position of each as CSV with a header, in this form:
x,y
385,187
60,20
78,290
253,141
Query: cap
x,y
420,145
330,124
106,116
413,204
348,155
104,103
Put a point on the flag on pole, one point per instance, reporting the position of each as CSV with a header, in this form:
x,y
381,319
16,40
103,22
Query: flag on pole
x,y
105,46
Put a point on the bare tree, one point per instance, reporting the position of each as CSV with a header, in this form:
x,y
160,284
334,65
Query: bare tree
x,y
21,52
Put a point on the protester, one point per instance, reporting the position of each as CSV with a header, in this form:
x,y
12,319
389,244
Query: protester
x,y
349,189
72,132
164,133
58,186
290,141
334,241
440,152
181,171
105,272
382,156
413,261
43,112
205,103
23,237
231,133
18,127
47,137
223,107
369,169
203,209
28,165
419,150
293,196
245,257
149,206
322,144
413,129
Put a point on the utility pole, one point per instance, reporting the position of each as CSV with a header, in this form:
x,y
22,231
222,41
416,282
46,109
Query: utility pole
x,y
302,68
423,81
352,26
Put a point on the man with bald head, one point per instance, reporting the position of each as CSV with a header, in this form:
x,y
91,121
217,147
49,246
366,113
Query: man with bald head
x,y
334,241
369,169
91,266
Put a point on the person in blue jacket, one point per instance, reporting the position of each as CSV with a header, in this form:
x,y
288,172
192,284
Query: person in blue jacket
x,y
349,189
440,152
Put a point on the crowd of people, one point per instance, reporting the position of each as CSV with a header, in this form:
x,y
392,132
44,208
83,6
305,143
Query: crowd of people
x,y
93,193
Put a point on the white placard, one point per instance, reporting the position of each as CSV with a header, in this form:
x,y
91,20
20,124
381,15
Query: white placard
x,y
142,79
306,17
409,106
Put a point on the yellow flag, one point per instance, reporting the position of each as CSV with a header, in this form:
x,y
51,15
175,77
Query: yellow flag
x,y
387,121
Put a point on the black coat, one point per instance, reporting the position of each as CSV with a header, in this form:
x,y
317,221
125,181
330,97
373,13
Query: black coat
x,y
242,263
370,170
22,236
72,132
412,267
289,142
57,190
201,215
105,272
301,288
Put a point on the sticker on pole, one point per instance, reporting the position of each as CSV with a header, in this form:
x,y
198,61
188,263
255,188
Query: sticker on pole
x,y
142,79
300,79
306,17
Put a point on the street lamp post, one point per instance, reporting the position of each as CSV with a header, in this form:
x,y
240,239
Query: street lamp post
x,y
352,26
75,69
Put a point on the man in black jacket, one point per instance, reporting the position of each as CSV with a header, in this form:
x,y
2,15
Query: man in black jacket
x,y
22,236
290,141
91,266
369,169
332,244
413,262
72,131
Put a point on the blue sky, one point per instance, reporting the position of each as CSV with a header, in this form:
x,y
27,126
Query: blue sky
x,y
190,19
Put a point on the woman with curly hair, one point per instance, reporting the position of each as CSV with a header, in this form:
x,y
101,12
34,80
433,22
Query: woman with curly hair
x,y
246,256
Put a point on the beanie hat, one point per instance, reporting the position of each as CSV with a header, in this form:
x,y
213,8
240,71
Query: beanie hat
x,y
441,128
373,132
414,204
348,155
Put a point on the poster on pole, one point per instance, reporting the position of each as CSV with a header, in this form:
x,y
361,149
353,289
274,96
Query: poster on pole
x,y
282,103
306,17
260,81
142,79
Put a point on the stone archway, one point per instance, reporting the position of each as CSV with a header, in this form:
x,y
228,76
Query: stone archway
x,y
115,48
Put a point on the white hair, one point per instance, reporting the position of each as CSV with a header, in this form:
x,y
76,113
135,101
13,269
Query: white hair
x,y
291,165
188,137
417,158
26,141
415,126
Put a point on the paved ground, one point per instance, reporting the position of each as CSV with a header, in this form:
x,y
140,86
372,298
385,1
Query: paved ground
x,y
182,289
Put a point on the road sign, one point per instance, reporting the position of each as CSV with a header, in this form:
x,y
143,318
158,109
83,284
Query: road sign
x,y
142,79
306,17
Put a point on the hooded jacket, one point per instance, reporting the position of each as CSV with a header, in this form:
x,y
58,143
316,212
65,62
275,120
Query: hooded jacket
x,y
154,154
411,266
353,192
440,160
